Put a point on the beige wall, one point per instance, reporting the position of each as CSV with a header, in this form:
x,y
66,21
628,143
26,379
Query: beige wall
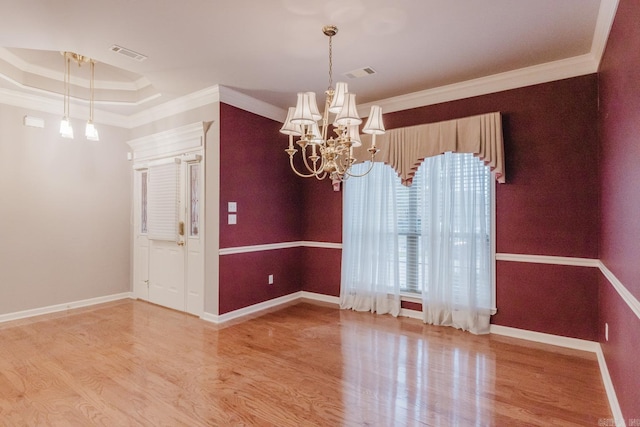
x,y
64,213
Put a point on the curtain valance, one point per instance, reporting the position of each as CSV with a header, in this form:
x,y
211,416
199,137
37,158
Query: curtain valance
x,y
405,148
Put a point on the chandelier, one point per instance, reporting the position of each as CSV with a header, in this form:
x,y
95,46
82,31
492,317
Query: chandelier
x,y
66,131
322,156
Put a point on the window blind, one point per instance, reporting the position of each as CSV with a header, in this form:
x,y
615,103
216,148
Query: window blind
x,y
163,201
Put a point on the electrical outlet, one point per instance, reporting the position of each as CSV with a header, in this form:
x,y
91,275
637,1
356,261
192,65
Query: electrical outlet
x,y
606,332
271,279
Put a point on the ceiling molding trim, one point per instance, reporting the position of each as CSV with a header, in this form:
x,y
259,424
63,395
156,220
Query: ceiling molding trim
x,y
58,75
606,16
179,105
543,73
170,142
250,104
74,99
54,106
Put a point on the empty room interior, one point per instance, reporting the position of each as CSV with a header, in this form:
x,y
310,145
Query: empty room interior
x,y
293,213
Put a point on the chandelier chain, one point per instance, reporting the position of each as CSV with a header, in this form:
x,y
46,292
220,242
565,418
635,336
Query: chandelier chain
x,y
330,63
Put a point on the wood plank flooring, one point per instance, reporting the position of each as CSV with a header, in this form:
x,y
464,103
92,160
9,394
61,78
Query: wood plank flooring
x,y
130,363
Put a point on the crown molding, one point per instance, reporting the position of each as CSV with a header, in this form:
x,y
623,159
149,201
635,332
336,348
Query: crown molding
x,y
54,106
58,75
74,99
606,15
174,141
252,105
179,105
543,73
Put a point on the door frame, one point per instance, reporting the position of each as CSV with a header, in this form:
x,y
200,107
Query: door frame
x,y
186,144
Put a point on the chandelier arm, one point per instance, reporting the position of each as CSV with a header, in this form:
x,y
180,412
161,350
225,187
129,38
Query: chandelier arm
x,y
360,175
314,170
321,176
293,168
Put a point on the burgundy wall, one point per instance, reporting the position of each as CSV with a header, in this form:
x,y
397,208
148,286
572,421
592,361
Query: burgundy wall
x,y
619,119
554,299
323,223
572,189
550,131
321,272
547,207
244,277
255,174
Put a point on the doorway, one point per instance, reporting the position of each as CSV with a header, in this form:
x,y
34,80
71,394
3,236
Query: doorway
x,y
168,232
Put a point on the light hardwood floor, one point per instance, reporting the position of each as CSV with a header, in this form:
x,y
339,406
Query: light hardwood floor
x,y
130,363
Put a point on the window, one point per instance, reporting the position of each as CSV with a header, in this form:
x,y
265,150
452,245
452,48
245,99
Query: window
x,y
414,206
194,199
433,239
143,203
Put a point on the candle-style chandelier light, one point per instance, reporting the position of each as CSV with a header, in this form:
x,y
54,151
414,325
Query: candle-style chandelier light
x,y
322,156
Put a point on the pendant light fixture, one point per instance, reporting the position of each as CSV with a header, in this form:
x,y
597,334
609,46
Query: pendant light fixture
x,y
91,132
66,130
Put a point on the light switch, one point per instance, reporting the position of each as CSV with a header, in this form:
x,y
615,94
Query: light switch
x,y
233,207
232,219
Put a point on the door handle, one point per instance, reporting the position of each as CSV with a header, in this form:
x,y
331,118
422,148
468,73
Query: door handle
x,y
180,243
181,228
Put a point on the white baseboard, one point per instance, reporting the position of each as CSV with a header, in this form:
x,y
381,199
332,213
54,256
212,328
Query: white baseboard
x,y
62,307
321,297
576,344
540,337
413,314
611,392
252,309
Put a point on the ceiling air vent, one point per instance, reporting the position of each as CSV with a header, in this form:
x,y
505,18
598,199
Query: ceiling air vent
x,y
128,53
360,72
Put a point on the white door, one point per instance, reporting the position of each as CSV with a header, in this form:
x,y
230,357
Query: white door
x,y
166,234
168,245
166,274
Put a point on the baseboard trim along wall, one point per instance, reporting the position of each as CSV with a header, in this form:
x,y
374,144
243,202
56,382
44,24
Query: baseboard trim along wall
x,y
573,343
62,307
576,344
252,309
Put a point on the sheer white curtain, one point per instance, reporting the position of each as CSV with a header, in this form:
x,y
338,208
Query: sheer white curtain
x,y
433,238
370,253
455,254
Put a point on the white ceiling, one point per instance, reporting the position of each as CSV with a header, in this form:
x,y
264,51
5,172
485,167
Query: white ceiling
x,y
271,49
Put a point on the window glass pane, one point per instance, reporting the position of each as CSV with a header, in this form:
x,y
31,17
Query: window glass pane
x,y
143,203
194,177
